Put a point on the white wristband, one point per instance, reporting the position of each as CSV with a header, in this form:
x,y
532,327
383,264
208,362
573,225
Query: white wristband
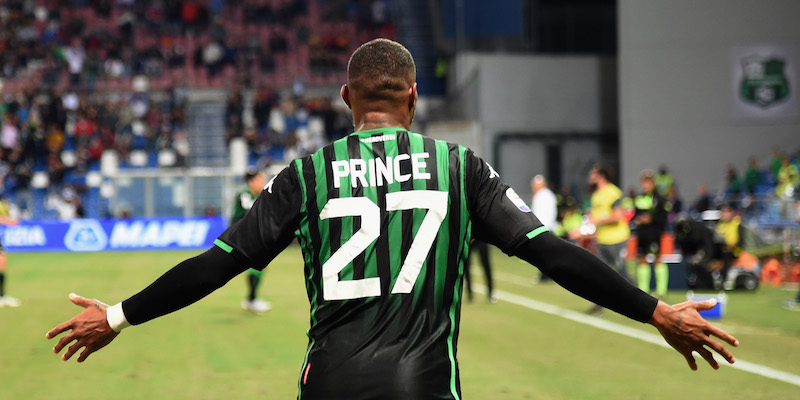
x,y
116,318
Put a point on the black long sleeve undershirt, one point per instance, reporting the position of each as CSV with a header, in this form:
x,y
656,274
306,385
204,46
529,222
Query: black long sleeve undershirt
x,y
184,284
585,275
570,266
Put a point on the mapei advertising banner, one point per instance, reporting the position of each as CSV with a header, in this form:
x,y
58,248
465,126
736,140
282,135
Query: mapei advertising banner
x,y
81,235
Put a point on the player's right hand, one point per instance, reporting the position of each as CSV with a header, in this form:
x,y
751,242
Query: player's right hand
x,y
687,332
90,329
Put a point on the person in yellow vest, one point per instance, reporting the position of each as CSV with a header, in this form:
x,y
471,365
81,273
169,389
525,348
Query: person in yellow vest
x,y
611,226
5,219
650,221
788,178
728,227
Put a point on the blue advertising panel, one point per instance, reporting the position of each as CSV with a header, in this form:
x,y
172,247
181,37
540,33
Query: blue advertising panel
x,y
83,235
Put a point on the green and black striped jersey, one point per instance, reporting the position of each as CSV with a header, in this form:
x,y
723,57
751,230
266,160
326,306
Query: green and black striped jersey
x,y
384,218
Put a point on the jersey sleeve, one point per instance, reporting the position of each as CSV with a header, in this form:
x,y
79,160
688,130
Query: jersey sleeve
x,y
499,215
270,224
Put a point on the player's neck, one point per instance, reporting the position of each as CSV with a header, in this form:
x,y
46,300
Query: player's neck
x,y
379,119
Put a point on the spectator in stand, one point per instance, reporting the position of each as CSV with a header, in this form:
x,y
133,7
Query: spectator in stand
x,y
733,186
265,100
703,201
674,206
788,179
752,176
212,55
9,131
75,56
234,114
775,164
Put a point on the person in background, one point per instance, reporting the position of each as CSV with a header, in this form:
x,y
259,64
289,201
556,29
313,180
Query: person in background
x,y
674,205
569,224
752,176
244,201
788,178
729,228
544,206
664,181
703,202
794,304
733,186
483,252
608,217
650,221
775,164
544,202
5,219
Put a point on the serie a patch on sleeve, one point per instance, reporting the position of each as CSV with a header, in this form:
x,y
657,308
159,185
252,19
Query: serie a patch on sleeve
x,y
517,201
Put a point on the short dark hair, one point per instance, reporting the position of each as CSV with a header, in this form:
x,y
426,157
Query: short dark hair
x,y
602,170
251,173
381,68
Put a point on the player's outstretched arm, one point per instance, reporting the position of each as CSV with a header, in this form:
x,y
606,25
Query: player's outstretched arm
x,y
184,284
686,331
89,330
582,273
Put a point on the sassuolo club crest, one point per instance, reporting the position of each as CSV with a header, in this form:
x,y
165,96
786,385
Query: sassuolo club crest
x,y
763,81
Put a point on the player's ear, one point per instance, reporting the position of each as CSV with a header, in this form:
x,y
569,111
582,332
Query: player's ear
x,y
412,96
345,93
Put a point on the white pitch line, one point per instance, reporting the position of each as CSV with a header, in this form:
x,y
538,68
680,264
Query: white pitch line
x,y
648,337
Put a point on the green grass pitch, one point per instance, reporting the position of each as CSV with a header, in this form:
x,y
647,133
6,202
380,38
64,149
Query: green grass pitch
x,y
214,350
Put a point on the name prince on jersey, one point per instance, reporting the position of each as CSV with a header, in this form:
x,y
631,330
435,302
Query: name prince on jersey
x,y
375,172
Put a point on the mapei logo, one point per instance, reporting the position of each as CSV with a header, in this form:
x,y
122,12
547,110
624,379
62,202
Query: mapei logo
x,y
85,235
159,234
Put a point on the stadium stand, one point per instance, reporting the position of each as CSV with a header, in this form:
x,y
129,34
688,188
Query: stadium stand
x,y
83,78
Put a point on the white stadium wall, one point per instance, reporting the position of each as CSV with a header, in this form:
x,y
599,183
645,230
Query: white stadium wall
x,y
681,67
539,100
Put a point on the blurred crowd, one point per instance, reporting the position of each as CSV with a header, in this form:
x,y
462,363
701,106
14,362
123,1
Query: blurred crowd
x,y
284,127
69,71
100,43
767,189
65,134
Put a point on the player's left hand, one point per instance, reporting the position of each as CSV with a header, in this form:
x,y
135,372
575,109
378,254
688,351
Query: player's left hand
x,y
686,331
90,329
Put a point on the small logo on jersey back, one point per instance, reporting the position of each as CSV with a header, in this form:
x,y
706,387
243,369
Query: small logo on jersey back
x,y
492,172
268,186
514,197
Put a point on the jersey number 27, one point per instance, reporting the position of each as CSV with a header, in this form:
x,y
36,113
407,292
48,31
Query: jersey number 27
x,y
336,289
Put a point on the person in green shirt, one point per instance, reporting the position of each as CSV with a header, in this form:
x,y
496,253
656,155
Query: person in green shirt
x,y
775,164
242,203
752,176
650,220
